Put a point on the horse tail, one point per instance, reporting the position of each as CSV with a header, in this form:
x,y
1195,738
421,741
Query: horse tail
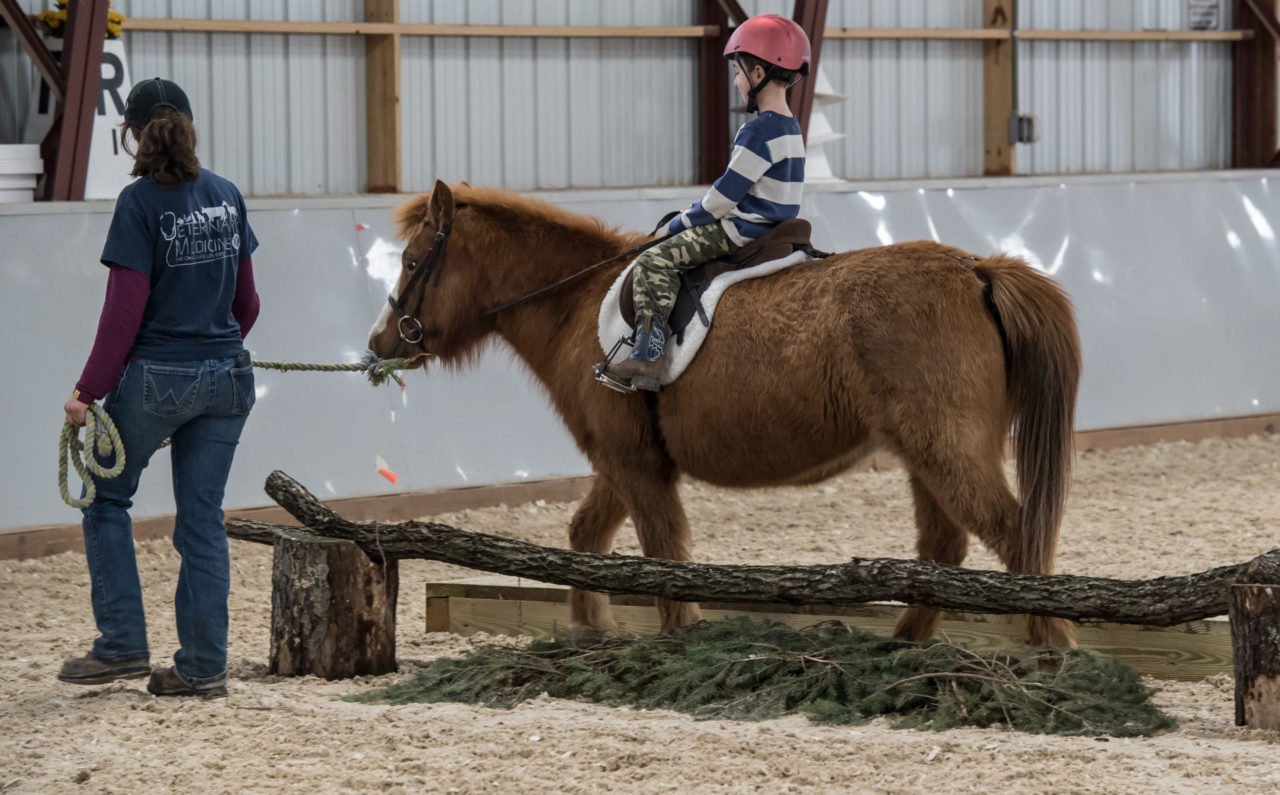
x,y
1042,356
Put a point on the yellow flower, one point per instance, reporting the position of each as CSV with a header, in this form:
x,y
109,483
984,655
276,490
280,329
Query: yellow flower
x,y
54,23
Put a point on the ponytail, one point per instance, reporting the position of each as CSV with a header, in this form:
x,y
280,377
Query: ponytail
x,y
166,149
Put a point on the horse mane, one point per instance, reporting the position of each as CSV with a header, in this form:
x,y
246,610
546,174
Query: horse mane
x,y
522,211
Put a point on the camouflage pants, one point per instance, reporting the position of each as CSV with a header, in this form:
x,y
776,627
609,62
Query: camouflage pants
x,y
657,270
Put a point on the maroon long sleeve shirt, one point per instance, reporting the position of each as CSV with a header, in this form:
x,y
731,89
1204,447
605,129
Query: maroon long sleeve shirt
x,y
127,294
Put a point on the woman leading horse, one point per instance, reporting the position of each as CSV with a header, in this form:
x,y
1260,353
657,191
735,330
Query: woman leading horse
x,y
915,348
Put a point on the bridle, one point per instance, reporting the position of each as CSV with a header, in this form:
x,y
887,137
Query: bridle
x,y
435,254
410,328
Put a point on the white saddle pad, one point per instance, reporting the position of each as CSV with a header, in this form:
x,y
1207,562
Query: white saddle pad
x,y
678,356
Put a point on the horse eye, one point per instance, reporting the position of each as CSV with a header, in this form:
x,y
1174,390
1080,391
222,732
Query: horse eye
x,y
410,265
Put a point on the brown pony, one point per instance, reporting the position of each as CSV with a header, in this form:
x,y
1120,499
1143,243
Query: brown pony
x,y
916,348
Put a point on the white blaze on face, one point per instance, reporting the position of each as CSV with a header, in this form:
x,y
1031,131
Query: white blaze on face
x,y
384,322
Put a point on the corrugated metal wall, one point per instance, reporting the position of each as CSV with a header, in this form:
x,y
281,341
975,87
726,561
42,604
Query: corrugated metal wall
x,y
549,113
278,114
1123,106
284,114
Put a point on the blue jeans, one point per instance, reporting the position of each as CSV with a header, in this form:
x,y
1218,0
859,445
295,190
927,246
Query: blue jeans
x,y
202,406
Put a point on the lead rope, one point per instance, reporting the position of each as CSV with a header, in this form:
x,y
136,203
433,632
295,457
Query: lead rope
x,y
101,433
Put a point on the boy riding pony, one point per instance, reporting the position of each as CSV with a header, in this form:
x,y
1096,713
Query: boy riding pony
x,y
762,186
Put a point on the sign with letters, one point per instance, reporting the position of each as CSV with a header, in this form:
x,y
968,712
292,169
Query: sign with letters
x,y
109,164
1204,14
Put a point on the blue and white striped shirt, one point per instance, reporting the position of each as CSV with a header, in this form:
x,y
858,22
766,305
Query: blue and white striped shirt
x,y
762,186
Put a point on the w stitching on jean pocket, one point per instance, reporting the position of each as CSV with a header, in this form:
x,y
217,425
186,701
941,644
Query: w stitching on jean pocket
x,y
242,388
169,391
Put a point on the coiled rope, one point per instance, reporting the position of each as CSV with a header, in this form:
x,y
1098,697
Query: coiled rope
x,y
101,433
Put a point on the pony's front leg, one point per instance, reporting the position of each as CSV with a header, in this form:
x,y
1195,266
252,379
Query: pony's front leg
x,y
593,528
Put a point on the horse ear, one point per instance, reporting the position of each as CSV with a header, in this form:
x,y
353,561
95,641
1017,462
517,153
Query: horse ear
x,y
442,206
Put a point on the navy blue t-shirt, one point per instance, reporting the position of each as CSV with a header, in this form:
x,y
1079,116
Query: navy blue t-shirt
x,y
189,240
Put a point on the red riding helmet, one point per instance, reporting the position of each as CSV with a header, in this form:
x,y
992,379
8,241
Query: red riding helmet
x,y
773,39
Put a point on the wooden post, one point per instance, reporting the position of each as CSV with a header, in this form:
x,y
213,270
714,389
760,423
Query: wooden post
x,y
811,16
383,137
1254,126
997,90
1255,643
65,148
713,95
333,610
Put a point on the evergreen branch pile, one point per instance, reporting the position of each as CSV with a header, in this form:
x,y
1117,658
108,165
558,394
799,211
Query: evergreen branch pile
x,y
748,670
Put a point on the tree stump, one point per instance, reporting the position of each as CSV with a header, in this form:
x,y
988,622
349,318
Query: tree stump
x,y
1255,642
333,609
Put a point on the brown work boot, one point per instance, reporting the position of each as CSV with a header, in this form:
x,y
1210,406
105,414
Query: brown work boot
x,y
643,368
167,682
89,670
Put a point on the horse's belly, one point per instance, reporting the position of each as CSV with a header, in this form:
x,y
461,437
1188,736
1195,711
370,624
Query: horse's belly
x,y
726,453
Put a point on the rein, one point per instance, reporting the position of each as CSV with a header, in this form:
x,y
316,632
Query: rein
x,y
493,310
416,333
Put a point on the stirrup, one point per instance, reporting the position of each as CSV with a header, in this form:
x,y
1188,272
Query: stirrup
x,y
603,375
606,378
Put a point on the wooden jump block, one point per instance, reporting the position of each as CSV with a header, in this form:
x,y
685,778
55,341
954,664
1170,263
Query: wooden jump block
x,y
503,605
1255,622
333,610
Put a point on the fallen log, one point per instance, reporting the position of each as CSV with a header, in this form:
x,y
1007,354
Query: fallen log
x,y
1160,602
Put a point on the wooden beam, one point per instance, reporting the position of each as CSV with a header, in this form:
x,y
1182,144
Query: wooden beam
x,y
979,34
501,605
72,132
383,130
1254,127
811,16
380,28
31,42
1133,435
384,27
997,89
713,95
1135,35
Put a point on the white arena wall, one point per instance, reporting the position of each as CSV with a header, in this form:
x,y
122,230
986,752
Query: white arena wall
x,y
1175,278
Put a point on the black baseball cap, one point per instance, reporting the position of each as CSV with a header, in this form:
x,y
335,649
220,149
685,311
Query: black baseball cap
x,y
147,96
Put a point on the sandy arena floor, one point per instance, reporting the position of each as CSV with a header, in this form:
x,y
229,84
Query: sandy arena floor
x,y
1140,512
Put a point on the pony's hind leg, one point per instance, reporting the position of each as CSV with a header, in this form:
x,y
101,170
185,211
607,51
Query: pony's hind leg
x,y
972,490
939,540
592,529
